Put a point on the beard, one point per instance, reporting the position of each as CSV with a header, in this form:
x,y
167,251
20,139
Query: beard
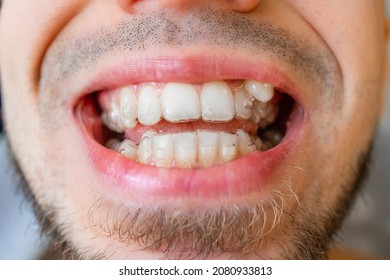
x,y
238,229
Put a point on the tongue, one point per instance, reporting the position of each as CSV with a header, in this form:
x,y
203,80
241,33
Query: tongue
x,y
163,126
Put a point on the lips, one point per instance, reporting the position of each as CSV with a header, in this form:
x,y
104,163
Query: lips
x,y
251,173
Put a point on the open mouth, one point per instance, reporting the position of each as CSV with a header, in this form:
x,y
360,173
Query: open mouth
x,y
173,137
187,125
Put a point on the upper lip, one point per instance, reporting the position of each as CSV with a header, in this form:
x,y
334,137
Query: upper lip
x,y
189,69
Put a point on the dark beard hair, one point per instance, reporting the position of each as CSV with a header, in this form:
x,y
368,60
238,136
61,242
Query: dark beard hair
x,y
310,242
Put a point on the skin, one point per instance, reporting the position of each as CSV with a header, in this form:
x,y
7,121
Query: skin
x,y
341,82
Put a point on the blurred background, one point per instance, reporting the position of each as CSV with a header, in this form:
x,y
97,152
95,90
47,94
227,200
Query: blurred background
x,y
365,235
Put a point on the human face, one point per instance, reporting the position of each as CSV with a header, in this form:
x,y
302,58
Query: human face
x,y
267,173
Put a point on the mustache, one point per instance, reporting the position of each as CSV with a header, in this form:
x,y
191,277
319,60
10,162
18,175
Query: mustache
x,y
198,28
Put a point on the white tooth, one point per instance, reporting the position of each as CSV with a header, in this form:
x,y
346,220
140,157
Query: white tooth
x,y
228,146
113,144
128,149
180,102
245,143
162,148
128,107
217,102
145,147
243,104
113,119
207,147
260,91
149,106
185,149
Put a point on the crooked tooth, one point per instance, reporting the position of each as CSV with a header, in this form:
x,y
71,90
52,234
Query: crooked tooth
x,y
145,147
185,145
228,146
162,150
217,102
180,102
128,107
260,91
207,147
128,149
245,143
243,104
149,106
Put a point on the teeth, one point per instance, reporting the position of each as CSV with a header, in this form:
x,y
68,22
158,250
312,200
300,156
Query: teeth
x,y
260,91
149,106
243,104
246,145
263,114
189,149
228,146
185,149
217,102
207,147
162,147
128,149
180,102
145,147
128,108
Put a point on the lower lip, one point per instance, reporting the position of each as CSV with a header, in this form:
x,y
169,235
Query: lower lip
x,y
244,176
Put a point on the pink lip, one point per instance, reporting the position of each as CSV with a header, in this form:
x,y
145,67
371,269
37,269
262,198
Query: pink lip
x,y
241,177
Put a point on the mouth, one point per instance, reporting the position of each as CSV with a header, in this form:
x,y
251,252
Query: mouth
x,y
171,134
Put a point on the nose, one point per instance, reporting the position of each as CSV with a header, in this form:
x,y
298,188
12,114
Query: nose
x,y
243,6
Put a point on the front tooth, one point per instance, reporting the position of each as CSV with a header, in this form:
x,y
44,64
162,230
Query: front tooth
x,y
245,143
185,149
128,149
243,104
180,102
149,106
128,107
260,91
228,146
217,102
207,147
145,147
162,149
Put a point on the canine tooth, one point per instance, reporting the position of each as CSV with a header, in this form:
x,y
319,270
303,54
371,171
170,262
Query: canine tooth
x,y
260,91
185,145
228,146
243,104
112,119
128,107
217,102
207,147
145,147
162,149
245,143
149,106
128,149
180,102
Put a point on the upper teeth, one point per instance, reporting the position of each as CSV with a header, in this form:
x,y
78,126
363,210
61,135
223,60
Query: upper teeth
x,y
179,102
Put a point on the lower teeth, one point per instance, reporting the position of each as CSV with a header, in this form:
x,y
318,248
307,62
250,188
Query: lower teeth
x,y
188,150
